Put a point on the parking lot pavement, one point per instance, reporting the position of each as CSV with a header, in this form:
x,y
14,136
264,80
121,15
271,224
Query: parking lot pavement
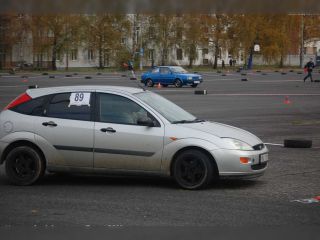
x,y
273,106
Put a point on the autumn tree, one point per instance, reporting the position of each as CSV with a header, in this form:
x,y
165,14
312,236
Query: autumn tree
x,y
161,31
193,36
217,25
14,32
103,33
55,34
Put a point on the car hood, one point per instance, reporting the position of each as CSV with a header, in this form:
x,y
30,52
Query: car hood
x,y
224,131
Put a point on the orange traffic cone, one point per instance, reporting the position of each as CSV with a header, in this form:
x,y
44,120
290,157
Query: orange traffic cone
x,y
159,85
286,100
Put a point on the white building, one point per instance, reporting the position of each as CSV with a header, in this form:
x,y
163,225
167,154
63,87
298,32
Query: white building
x,y
147,52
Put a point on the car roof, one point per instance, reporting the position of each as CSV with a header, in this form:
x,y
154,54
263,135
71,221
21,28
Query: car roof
x,y
169,66
37,92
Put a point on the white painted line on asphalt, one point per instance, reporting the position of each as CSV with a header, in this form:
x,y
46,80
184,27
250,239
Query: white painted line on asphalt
x,y
225,79
264,94
8,76
169,90
276,81
13,86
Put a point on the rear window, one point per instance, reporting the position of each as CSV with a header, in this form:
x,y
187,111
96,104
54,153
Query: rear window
x,y
60,107
33,107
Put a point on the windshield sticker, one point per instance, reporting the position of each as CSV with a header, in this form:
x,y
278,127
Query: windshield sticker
x,y
80,99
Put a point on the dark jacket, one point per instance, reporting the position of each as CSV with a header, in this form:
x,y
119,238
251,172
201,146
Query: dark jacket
x,y
309,66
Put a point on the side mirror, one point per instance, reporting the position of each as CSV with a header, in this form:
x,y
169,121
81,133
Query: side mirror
x,y
145,122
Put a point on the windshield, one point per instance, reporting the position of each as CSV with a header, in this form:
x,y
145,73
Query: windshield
x,y
167,109
178,70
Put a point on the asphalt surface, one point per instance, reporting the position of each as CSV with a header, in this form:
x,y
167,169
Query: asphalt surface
x,y
272,106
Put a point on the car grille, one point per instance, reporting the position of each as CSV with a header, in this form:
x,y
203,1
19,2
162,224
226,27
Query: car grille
x,y
258,146
259,166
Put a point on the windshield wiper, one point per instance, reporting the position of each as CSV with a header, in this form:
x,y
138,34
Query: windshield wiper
x,y
188,121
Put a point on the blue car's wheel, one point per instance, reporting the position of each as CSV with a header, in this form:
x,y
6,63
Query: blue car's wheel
x,y
149,82
178,83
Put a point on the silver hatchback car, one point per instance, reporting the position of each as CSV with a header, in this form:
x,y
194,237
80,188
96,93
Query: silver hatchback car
x,y
106,128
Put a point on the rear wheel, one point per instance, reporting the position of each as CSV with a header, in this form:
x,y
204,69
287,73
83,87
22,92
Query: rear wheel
x,y
193,169
24,165
178,83
149,82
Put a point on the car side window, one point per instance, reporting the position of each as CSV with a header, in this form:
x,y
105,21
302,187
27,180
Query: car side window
x,y
120,110
155,70
33,107
164,70
59,107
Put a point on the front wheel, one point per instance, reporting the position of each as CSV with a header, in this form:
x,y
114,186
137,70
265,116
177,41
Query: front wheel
x,y
193,169
178,83
24,166
149,82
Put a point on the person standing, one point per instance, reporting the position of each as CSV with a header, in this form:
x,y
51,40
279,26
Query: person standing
x,y
230,62
130,68
308,68
223,65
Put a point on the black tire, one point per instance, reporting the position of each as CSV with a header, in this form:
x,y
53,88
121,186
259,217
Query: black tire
x,y
194,85
297,143
193,169
24,166
149,82
178,83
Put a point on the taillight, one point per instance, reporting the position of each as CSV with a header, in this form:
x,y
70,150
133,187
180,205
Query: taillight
x,y
19,100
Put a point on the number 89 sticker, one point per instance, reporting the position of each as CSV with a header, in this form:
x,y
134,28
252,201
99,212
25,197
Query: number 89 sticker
x,y
79,99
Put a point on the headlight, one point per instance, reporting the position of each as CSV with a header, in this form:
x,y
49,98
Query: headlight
x,y
189,78
200,77
236,144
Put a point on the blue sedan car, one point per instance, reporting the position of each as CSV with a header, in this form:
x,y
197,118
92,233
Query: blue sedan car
x,y
170,75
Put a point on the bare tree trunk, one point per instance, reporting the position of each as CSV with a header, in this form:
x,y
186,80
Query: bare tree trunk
x,y
190,62
67,59
216,52
100,58
281,61
54,54
162,57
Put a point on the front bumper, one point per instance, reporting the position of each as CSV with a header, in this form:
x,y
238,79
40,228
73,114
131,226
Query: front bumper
x,y
198,81
229,165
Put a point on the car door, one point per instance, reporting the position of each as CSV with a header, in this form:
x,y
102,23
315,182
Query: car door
x,y
155,75
120,143
68,126
165,75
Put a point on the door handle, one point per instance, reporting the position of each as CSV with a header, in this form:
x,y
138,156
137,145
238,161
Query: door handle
x,y
109,129
51,124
